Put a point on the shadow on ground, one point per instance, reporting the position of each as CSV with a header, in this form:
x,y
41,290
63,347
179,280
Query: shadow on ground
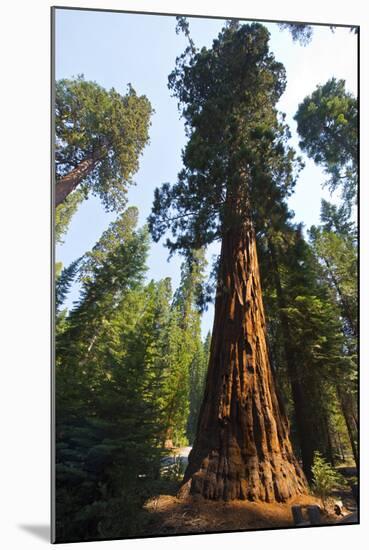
x,y
170,515
40,531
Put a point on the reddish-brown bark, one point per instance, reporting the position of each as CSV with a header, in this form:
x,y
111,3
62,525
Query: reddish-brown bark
x,y
242,448
70,181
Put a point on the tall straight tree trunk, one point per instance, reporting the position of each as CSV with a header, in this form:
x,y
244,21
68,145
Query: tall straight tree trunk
x,y
242,448
349,417
305,428
345,306
68,183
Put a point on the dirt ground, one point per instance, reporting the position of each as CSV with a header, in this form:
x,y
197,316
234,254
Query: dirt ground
x,y
170,515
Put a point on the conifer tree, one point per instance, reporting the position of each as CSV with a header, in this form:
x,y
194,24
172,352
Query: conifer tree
x,y
334,244
307,339
235,158
183,345
108,390
198,369
100,135
115,266
327,123
64,282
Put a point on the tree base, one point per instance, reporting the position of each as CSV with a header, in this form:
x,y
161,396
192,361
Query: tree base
x,y
242,448
272,479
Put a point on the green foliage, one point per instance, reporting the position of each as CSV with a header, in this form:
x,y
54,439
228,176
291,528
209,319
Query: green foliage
x,y
115,266
105,126
337,220
335,246
107,412
318,338
237,145
183,351
58,269
339,268
300,32
183,26
130,362
307,339
64,281
198,370
317,349
303,33
122,384
64,213
325,478
327,124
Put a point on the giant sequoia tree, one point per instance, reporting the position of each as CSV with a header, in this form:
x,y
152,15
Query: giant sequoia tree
x,y
235,162
100,135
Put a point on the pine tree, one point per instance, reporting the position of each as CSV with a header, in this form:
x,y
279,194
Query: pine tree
x,y
108,391
115,266
183,337
335,246
198,369
307,339
65,212
64,282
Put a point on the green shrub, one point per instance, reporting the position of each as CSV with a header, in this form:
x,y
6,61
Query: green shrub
x,y
325,478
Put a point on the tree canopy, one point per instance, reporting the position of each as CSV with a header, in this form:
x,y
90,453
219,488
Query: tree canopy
x,y
226,95
327,125
300,32
100,136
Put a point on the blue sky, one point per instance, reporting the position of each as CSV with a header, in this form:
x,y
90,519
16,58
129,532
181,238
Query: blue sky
x,y
115,49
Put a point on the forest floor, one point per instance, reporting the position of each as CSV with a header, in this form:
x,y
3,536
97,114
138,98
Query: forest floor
x,y
170,515
194,514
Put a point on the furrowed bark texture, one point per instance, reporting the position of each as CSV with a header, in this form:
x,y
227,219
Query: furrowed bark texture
x,y
242,448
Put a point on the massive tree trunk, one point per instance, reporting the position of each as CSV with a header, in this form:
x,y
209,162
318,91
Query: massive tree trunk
x,y
242,447
70,181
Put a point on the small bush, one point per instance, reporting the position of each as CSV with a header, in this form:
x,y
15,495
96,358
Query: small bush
x,y
325,478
